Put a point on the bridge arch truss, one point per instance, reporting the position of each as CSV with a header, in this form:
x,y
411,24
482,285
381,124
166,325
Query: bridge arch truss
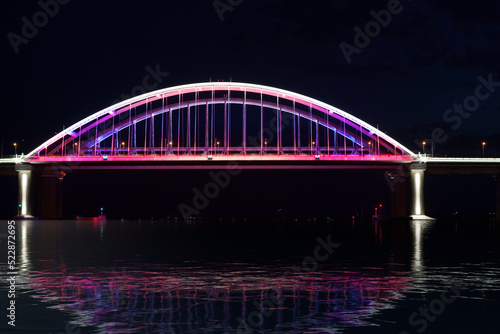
x,y
220,118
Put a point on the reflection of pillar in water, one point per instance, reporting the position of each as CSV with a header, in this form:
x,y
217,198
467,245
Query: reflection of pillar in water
x,y
497,181
417,244
418,227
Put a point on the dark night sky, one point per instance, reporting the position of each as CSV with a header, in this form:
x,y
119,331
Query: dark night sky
x,y
428,58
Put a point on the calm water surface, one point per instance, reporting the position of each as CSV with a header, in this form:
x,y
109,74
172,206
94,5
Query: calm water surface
x,y
239,277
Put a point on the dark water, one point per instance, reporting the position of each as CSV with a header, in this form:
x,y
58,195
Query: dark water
x,y
231,277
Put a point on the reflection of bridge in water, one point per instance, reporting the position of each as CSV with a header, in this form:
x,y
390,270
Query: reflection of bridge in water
x,y
195,296
208,125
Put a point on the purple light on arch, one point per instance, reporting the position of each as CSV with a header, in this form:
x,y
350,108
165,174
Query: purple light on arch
x,y
104,117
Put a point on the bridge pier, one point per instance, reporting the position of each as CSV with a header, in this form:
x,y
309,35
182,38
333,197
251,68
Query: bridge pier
x,y
417,191
40,193
51,195
25,192
407,188
399,193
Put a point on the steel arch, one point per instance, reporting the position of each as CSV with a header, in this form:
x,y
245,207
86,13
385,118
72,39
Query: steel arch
x,y
99,119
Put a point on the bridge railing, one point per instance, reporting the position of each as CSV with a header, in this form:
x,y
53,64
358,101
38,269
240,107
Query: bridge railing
x,y
235,150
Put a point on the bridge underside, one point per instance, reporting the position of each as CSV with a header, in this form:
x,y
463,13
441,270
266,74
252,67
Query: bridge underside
x,y
40,184
40,180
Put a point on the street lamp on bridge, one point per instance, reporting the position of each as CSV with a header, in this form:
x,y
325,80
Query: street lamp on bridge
x,y
423,147
15,149
484,144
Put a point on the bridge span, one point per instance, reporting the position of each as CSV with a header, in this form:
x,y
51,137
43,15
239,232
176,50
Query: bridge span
x,y
219,124
406,175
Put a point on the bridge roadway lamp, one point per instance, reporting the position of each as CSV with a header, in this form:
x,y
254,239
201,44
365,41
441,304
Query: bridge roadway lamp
x,y
423,147
484,144
15,149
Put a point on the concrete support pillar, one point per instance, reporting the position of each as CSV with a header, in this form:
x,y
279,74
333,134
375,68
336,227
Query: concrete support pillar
x,y
40,193
25,194
398,183
51,195
417,210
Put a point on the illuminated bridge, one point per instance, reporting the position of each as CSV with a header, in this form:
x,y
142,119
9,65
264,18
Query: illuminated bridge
x,y
211,125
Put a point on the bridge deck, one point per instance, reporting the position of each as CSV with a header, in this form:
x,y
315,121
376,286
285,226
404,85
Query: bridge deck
x,y
440,165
